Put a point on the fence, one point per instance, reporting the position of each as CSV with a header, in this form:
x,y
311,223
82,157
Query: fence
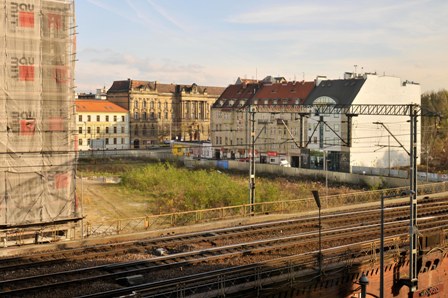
x,y
179,219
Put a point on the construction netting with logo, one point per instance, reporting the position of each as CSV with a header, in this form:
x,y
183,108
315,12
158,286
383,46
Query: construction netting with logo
x,y
37,140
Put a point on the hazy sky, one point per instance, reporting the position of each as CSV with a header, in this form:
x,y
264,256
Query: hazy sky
x,y
213,42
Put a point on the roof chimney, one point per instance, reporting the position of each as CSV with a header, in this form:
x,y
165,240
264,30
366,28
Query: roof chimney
x,y
319,79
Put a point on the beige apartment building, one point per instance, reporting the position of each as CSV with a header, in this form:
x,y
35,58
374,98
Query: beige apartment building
x,y
277,133
101,125
163,112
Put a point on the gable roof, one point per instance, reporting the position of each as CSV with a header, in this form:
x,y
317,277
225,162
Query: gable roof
x,y
236,95
290,90
99,106
343,91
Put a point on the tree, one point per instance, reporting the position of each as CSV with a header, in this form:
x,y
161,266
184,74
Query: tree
x,y
435,130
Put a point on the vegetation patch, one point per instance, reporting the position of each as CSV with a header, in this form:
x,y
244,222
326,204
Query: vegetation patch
x,y
165,187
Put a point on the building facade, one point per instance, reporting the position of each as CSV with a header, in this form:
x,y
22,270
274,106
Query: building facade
x,y
286,131
163,112
278,133
101,125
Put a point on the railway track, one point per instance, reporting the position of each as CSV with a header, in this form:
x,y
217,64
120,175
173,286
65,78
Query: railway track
x,y
179,243
433,214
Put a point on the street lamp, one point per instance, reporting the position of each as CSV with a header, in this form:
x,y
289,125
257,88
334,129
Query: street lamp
x,y
317,199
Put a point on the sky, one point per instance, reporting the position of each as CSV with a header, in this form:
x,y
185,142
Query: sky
x,y
213,42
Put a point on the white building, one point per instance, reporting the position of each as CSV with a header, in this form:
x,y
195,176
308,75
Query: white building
x,y
101,125
364,140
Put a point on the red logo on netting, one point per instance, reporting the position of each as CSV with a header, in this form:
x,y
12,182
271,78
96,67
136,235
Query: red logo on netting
x,y
55,124
61,181
54,21
61,75
26,72
26,19
27,127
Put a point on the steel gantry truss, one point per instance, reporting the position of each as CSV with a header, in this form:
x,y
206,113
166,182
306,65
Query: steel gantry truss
x,y
411,110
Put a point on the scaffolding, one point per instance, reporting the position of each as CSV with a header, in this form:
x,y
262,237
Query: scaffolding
x,y
37,116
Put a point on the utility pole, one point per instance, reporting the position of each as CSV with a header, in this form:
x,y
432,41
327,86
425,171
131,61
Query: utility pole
x,y
252,161
413,233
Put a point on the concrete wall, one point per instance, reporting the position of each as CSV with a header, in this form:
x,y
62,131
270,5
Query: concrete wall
x,y
355,179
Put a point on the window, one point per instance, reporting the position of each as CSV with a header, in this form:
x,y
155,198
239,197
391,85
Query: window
x,y
80,142
89,118
107,118
80,129
144,116
144,104
115,118
136,115
159,105
122,129
151,105
98,118
136,104
107,129
107,141
122,118
166,105
115,129
88,130
315,140
159,114
166,115
123,141
115,141
152,115
217,139
88,141
98,129
80,118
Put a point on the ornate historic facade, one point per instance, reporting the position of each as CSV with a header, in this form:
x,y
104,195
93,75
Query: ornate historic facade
x,y
164,112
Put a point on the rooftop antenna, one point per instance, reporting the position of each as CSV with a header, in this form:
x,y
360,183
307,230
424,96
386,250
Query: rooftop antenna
x,y
355,68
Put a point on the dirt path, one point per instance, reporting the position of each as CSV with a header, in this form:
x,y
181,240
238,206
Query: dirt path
x,y
106,201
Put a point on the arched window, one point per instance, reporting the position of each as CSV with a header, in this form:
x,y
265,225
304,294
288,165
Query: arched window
x,y
324,100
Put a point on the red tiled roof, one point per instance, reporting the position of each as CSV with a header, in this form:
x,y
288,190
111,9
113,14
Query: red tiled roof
x,y
290,90
100,106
